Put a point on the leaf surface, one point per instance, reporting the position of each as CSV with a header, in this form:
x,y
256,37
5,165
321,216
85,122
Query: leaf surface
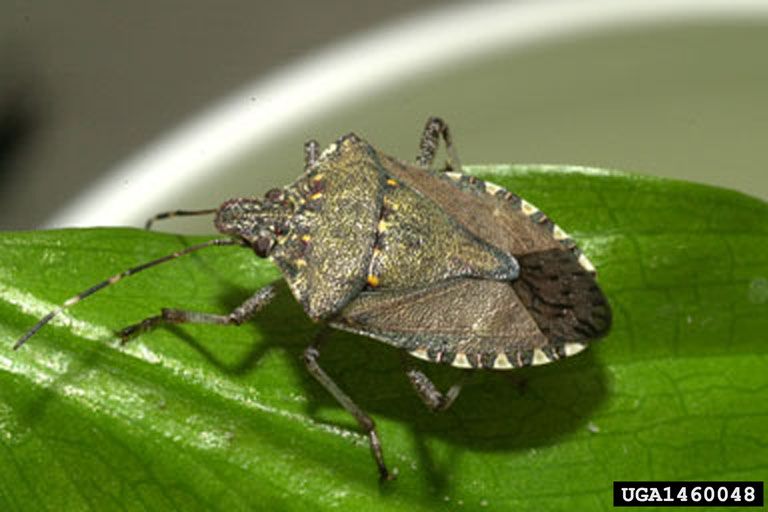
x,y
224,418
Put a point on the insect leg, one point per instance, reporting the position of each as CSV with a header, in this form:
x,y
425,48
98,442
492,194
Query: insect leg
x,y
177,316
177,213
428,392
115,279
311,152
430,139
311,355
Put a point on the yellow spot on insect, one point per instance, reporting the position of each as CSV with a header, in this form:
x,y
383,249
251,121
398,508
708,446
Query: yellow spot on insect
x,y
461,361
559,234
301,262
421,353
318,177
502,362
373,280
391,182
527,207
316,195
586,264
574,348
491,188
327,151
391,204
306,238
539,357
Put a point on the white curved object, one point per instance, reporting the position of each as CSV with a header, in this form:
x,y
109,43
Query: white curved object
x,y
268,108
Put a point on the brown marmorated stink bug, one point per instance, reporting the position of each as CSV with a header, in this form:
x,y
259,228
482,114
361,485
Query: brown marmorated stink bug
x,y
447,267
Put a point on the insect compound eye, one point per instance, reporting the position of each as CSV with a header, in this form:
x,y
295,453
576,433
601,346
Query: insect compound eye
x,y
263,246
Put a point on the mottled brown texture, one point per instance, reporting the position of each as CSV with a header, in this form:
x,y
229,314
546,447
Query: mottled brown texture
x,y
479,317
492,219
457,270
341,226
419,244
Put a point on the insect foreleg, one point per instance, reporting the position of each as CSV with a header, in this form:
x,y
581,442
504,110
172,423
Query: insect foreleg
x,y
117,278
177,316
177,213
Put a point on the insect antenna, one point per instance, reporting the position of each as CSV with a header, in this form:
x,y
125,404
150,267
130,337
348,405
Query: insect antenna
x,y
177,213
117,277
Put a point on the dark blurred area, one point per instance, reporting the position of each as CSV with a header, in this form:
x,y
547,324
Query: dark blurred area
x,y
21,115
85,83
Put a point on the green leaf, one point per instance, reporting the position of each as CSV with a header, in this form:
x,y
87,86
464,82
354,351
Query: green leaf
x,y
208,417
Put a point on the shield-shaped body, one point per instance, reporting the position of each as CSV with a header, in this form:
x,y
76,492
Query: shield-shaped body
x,y
445,266
448,267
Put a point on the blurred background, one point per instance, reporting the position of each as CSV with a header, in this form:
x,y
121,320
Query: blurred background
x,y
111,112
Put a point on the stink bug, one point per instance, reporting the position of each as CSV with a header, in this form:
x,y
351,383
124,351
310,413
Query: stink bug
x,y
445,266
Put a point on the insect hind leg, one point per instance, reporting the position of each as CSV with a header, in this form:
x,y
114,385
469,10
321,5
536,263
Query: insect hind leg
x,y
430,140
432,397
311,356
178,316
